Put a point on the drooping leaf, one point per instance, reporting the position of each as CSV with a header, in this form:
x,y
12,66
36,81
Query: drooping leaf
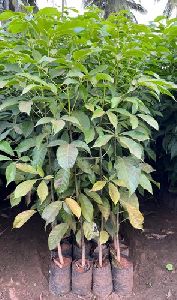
x,y
86,207
93,195
74,207
71,119
10,173
114,193
145,183
66,156
14,201
104,236
56,235
134,148
150,120
131,205
98,186
112,118
23,188
98,113
42,191
61,181
82,145
128,170
105,209
84,165
51,211
22,218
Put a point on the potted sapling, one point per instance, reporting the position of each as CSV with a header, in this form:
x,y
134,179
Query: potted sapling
x,y
82,268
102,277
60,269
122,267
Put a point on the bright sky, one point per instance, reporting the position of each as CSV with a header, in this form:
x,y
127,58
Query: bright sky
x,y
154,9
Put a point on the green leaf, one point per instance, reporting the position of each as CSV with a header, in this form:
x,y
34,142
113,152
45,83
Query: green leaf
x,y
82,145
150,120
74,207
22,218
128,170
94,196
105,209
23,188
5,147
145,183
10,173
98,186
114,193
89,230
51,211
104,236
14,201
131,205
57,125
61,181
3,158
25,107
6,15
56,235
44,120
42,191
89,135
66,156
115,101
28,88
134,121
71,119
104,76
86,207
26,145
98,113
134,148
136,135
112,118
102,140
84,165
26,168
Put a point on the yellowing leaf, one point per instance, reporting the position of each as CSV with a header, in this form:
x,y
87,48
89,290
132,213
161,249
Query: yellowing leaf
x,y
131,205
42,191
99,185
23,188
114,193
23,217
26,168
104,236
74,207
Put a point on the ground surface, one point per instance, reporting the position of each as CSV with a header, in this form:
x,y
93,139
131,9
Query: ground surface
x,y
24,260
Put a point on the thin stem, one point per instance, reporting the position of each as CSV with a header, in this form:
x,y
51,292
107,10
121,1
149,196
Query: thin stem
x,y
60,256
100,255
81,221
117,238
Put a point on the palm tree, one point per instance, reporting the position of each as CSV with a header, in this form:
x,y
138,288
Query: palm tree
x,y
169,8
15,4
110,6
